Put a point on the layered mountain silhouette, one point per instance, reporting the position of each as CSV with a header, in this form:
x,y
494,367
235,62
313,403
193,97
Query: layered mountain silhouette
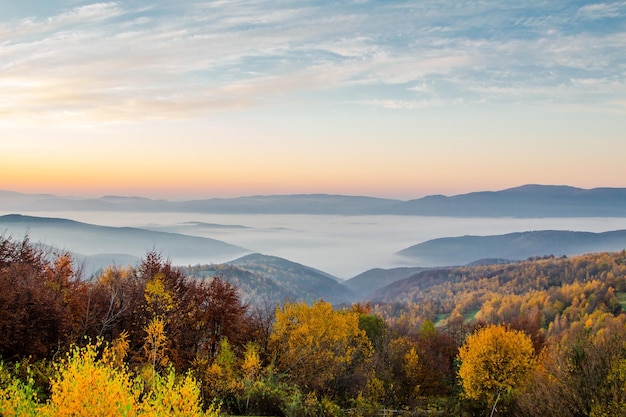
x,y
263,277
369,281
513,246
524,201
91,240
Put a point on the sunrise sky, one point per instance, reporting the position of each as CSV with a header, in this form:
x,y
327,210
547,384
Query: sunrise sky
x,y
193,99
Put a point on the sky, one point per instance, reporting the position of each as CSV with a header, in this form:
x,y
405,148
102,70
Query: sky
x,y
400,99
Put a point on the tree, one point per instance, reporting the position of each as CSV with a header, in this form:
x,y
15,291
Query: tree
x,y
212,311
401,369
613,395
87,386
314,344
40,300
155,346
494,361
115,300
437,352
581,371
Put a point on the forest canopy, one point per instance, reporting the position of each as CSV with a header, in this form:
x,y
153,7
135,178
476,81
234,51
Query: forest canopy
x,y
542,336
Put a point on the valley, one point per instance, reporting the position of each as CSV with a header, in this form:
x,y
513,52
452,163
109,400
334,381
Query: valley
x,y
415,288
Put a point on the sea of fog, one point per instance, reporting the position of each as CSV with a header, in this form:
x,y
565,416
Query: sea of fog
x,y
343,246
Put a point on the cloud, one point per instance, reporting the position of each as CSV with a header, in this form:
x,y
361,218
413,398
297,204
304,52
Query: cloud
x,y
603,10
112,61
87,14
404,104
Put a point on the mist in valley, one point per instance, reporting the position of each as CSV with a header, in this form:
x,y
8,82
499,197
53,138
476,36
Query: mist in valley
x,y
343,246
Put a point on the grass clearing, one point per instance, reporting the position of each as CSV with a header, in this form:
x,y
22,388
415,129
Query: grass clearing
x,y
621,297
470,315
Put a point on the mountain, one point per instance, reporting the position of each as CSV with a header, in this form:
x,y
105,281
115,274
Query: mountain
x,y
374,279
290,204
273,204
270,279
305,282
416,285
515,246
441,290
91,264
91,240
254,288
524,201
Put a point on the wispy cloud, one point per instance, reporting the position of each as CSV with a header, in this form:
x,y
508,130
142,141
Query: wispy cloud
x,y
126,61
603,10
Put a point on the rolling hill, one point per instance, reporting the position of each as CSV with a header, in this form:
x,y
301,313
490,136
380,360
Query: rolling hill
x,y
374,279
270,279
305,282
253,288
515,246
447,287
89,240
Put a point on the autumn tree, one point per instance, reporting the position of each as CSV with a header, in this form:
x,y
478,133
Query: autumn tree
x,y
40,301
495,361
115,300
87,386
212,311
88,383
613,394
437,351
156,345
403,365
314,344
581,371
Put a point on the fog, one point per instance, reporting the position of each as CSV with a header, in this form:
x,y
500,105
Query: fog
x,y
343,246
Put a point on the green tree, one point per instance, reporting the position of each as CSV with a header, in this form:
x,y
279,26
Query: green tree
x,y
613,402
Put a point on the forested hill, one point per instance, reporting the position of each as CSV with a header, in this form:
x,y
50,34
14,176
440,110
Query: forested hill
x,y
545,285
514,246
524,201
270,279
156,338
367,282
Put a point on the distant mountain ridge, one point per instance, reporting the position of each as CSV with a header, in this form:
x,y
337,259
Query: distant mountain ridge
x,y
89,239
274,204
369,281
462,250
525,201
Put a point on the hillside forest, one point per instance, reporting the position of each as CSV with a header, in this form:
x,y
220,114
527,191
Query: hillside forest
x,y
544,336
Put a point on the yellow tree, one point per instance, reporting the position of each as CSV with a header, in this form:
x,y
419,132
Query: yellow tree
x,y
160,302
174,396
159,299
85,386
315,344
494,361
155,345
